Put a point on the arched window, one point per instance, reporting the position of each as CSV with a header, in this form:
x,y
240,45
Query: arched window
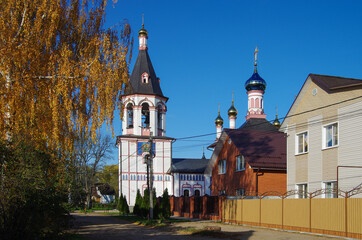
x,y
145,78
129,116
145,115
252,102
159,117
186,193
257,103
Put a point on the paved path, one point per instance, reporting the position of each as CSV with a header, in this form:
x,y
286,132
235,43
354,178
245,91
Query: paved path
x,y
98,226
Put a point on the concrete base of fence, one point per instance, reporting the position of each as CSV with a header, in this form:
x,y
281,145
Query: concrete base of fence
x,y
297,229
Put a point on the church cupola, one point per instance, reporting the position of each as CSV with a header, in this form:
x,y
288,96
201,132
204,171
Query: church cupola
x,y
255,87
219,122
232,112
276,122
142,37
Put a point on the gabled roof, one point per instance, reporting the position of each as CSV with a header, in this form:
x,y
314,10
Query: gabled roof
x,y
261,149
188,165
330,83
144,65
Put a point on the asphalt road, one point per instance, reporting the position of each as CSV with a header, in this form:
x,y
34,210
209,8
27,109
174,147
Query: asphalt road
x,y
98,226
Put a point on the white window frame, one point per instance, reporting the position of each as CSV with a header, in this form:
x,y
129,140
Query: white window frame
x,y
222,166
332,194
324,135
238,159
305,189
240,192
297,142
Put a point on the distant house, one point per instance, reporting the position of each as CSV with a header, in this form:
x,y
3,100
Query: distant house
x,y
324,127
103,193
188,177
249,160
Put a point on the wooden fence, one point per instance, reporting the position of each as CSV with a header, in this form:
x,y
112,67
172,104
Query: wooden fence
x,y
335,216
206,207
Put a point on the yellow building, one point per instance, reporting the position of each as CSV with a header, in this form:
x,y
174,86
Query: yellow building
x,y
324,128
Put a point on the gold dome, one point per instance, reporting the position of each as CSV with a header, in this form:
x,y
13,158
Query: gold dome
x,y
232,112
276,122
219,121
143,31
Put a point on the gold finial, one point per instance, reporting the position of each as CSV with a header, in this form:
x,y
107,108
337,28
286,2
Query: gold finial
x,y
218,107
232,96
256,55
143,20
276,111
256,58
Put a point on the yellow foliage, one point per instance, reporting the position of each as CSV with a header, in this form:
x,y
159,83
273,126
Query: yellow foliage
x,y
60,70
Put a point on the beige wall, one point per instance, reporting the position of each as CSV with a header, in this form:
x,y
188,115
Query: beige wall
x,y
320,165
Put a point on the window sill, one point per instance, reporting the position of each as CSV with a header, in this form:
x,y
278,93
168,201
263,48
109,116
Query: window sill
x,y
298,154
240,170
222,173
326,148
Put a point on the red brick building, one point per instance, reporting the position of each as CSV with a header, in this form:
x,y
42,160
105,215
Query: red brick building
x,y
252,158
249,161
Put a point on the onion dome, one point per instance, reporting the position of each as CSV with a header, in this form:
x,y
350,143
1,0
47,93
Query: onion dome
x,y
219,121
255,82
276,122
232,112
143,31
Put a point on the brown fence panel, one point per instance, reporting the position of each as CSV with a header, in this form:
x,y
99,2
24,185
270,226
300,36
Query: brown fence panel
x,y
354,219
198,205
213,205
251,211
271,212
186,205
328,215
296,214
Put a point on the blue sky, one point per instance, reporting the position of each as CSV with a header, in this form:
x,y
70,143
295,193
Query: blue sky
x,y
204,50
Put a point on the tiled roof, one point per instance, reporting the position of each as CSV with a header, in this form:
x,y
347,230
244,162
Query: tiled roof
x,y
188,165
143,64
330,83
261,149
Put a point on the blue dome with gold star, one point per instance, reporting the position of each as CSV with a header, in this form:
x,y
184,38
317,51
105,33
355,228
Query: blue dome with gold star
x,y
255,82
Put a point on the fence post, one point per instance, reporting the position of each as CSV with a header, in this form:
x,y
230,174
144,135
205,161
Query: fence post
x,y
345,213
192,206
310,212
171,204
181,201
221,199
204,206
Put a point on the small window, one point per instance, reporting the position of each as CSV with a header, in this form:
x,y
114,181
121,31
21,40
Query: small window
x,y
129,116
222,166
330,135
330,189
222,192
186,193
302,143
302,190
240,192
145,78
240,163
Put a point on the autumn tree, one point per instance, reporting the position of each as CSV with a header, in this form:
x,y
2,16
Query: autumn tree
x,y
61,71
109,174
89,157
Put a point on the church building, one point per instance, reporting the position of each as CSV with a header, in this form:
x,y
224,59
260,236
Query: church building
x,y
251,159
144,116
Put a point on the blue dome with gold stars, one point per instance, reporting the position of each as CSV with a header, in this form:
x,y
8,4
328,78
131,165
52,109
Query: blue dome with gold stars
x,y
255,82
